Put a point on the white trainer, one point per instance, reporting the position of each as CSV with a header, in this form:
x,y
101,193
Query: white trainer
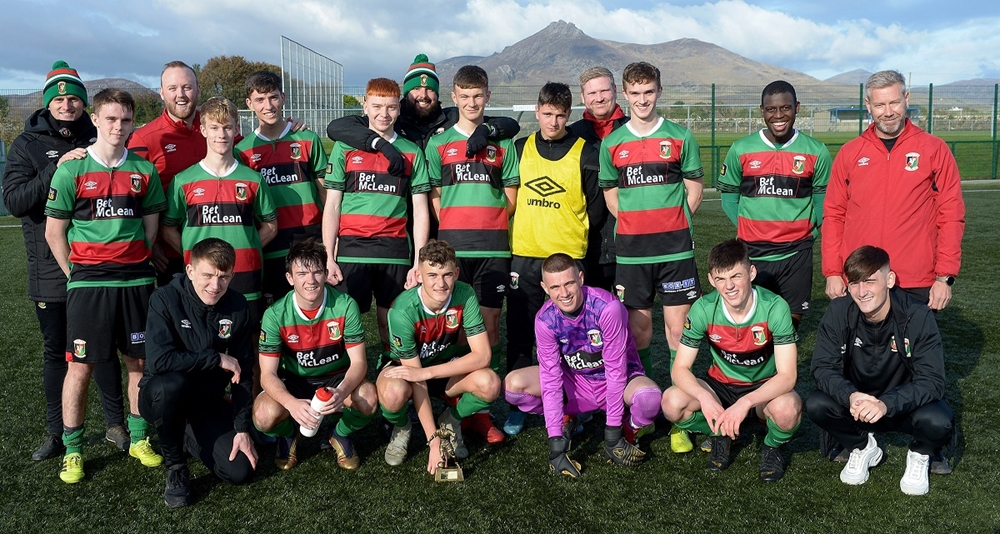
x,y
914,481
855,472
395,453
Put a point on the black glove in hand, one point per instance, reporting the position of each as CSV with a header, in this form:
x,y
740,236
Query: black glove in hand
x,y
397,165
559,462
619,451
478,140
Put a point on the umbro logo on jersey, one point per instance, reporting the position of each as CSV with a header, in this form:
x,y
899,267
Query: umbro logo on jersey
x,y
501,288
863,162
715,338
805,306
691,295
200,192
357,160
623,154
170,148
52,154
545,186
755,164
452,152
90,186
255,158
294,338
857,342
185,323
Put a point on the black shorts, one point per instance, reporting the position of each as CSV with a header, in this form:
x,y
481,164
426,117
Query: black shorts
x,y
676,281
729,394
488,276
790,278
103,320
274,284
435,386
361,280
256,309
304,387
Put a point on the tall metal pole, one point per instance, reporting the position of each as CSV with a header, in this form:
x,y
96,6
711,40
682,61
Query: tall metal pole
x,y
861,107
715,155
930,108
996,93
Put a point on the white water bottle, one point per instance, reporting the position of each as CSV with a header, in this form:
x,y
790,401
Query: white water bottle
x,y
322,396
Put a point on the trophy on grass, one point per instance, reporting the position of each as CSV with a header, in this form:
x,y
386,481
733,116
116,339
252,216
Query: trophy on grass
x,y
444,472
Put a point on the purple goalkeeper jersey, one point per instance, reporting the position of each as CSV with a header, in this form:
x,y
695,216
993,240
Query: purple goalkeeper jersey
x,y
595,348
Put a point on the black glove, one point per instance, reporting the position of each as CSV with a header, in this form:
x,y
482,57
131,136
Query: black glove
x,y
478,140
559,462
397,165
619,451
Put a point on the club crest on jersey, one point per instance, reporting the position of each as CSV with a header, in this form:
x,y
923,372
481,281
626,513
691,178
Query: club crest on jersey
x,y
799,164
451,319
759,336
912,161
225,328
41,305
296,151
514,279
62,87
333,327
906,346
136,183
666,149
52,193
595,337
491,154
620,292
241,191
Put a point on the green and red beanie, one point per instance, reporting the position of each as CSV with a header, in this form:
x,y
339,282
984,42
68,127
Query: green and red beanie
x,y
63,80
420,74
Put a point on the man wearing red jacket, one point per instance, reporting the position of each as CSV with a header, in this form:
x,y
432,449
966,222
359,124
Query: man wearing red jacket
x,y
895,187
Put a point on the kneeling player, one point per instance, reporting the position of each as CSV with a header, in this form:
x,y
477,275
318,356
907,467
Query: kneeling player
x,y
303,340
749,331
587,356
440,322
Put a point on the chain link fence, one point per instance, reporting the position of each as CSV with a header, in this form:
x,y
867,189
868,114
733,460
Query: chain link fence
x,y
964,116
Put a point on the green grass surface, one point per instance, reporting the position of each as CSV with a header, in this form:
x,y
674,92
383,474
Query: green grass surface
x,y
507,487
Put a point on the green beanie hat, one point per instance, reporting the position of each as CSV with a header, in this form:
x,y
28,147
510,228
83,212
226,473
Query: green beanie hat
x,y
63,80
420,74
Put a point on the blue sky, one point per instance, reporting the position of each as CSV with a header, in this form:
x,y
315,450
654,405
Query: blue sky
x,y
932,41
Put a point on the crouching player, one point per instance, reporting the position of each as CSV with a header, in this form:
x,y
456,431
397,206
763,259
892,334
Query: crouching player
x,y
749,331
587,356
309,339
438,346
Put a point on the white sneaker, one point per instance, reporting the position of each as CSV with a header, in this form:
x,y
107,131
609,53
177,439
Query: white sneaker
x,y
395,453
914,481
855,472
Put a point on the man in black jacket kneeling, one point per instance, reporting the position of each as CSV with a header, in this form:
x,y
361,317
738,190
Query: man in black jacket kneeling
x,y
879,367
199,339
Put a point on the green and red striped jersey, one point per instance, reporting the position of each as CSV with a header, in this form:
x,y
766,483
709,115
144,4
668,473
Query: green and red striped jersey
x,y
473,204
227,207
777,187
654,223
436,338
105,206
312,347
373,212
290,165
742,353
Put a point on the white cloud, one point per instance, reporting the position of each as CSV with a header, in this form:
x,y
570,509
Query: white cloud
x,y
133,39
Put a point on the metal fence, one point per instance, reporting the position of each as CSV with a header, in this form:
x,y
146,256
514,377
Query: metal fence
x,y
964,116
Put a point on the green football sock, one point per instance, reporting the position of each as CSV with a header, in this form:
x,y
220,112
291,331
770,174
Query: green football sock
x,y
398,418
696,423
647,360
495,358
73,439
777,437
352,421
284,429
137,427
468,404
